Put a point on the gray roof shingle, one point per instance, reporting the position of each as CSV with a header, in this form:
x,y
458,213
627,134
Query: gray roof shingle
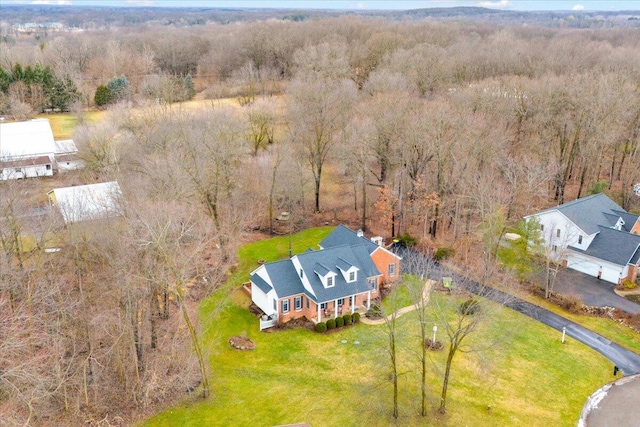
x,y
618,247
286,280
590,212
261,283
628,218
329,258
343,235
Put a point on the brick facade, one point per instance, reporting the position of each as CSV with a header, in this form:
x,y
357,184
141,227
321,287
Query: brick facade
x,y
311,313
383,259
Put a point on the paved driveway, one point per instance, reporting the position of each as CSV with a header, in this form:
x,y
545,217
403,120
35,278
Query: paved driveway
x,y
628,361
592,291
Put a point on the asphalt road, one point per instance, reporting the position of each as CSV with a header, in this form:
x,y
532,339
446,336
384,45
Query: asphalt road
x,y
625,360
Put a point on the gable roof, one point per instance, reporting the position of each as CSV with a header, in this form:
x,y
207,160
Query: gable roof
x,y
330,258
261,283
342,235
616,246
285,280
590,212
88,202
25,162
65,146
32,138
628,218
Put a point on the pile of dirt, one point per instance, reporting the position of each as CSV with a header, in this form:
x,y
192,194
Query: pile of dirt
x,y
430,345
241,343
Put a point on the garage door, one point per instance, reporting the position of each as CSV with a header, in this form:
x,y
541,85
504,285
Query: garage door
x,y
583,265
610,274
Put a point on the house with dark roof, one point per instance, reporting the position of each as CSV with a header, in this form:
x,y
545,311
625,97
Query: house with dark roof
x,y
343,276
593,235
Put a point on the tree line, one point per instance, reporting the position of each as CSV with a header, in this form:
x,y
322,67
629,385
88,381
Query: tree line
x,y
28,90
449,132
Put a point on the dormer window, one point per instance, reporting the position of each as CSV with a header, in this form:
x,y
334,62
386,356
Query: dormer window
x,y
348,270
326,276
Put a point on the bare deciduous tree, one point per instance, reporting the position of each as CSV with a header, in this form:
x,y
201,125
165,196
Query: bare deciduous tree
x,y
320,110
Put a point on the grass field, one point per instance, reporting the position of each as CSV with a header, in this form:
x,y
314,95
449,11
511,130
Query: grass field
x,y
529,378
62,124
609,329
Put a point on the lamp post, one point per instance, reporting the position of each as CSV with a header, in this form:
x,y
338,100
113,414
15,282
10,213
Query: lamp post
x,y
435,329
564,331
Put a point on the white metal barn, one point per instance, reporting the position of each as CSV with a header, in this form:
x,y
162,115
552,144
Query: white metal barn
x,y
88,202
593,235
26,149
66,154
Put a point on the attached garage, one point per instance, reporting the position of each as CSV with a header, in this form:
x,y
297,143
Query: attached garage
x,y
595,267
612,273
584,264
595,236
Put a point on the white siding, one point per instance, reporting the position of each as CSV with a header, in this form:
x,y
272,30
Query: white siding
x,y
304,279
569,233
592,266
25,172
262,300
69,165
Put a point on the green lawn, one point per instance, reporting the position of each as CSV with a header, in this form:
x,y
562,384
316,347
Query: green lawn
x,y
62,124
529,378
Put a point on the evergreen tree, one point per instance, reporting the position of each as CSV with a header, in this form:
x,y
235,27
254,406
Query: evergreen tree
x,y
120,89
18,74
63,93
37,74
189,87
5,80
102,96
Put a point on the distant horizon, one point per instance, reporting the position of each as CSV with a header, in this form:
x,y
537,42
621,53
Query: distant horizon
x,y
362,5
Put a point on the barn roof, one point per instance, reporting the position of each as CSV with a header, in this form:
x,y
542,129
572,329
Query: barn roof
x,y
32,138
88,202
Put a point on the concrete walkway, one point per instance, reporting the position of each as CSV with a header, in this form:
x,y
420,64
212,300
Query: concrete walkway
x,y
425,299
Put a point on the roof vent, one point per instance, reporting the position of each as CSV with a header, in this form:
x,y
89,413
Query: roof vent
x,y
360,233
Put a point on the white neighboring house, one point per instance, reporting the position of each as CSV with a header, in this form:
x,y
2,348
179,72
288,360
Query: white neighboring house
x,y
88,202
66,153
593,235
26,149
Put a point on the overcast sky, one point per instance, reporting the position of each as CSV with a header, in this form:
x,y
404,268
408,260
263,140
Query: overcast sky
x,y
361,4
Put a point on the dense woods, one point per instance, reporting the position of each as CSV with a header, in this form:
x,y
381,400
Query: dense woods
x,y
447,131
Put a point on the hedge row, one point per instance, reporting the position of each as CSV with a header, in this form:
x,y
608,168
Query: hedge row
x,y
338,322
